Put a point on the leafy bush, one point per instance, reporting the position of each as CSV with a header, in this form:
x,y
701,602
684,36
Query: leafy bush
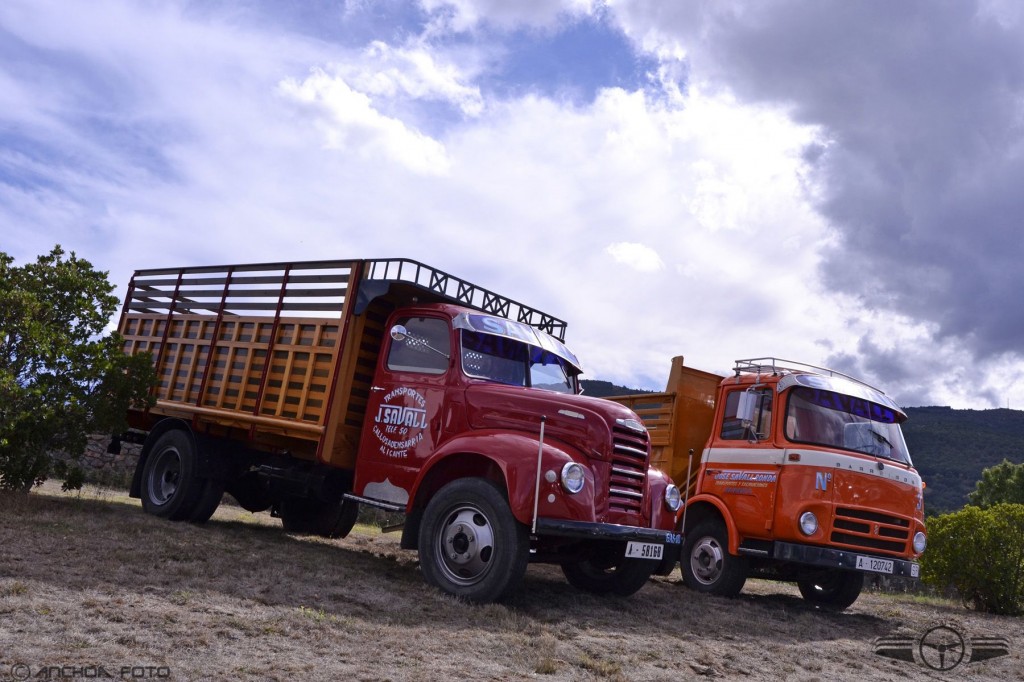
x,y
980,553
60,377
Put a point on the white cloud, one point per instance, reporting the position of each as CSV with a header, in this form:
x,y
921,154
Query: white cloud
x,y
350,122
413,72
636,256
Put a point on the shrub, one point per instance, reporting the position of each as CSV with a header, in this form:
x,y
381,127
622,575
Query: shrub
x,y
980,553
61,377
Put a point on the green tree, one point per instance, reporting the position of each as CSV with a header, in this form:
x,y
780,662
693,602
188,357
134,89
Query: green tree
x,y
980,553
1002,483
61,378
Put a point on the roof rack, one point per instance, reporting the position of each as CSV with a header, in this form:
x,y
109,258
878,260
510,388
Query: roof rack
x,y
463,292
780,366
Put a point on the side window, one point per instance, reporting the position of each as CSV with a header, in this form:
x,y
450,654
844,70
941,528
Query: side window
x,y
426,349
758,428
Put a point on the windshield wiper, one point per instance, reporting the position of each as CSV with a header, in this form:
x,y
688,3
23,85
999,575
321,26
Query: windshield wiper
x,y
881,438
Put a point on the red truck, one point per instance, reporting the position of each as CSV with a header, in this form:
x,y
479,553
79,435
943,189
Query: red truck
x,y
791,472
312,388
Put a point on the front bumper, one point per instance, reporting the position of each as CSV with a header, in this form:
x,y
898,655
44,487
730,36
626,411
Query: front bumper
x,y
606,531
841,558
584,530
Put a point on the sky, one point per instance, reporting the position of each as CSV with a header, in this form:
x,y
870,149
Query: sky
x,y
831,182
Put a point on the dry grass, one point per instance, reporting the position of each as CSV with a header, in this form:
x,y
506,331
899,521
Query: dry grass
x,y
89,580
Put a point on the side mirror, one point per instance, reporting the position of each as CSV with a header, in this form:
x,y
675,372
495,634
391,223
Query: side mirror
x,y
399,333
746,407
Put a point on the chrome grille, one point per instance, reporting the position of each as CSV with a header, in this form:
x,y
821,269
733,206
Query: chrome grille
x,y
630,451
870,530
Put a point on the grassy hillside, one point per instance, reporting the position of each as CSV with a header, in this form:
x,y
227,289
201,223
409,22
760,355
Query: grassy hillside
x,y
89,583
950,447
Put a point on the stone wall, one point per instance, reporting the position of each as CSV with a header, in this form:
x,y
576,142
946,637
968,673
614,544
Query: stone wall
x,y
100,466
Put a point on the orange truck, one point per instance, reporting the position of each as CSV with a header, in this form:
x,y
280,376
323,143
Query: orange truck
x,y
790,472
313,388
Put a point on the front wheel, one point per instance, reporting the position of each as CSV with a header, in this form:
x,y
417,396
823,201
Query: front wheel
x,y
471,546
706,563
834,590
622,577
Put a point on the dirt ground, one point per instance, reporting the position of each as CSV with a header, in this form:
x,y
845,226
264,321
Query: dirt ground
x,y
92,588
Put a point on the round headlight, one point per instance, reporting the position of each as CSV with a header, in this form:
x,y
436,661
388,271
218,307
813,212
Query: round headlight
x,y
672,497
808,523
920,542
572,477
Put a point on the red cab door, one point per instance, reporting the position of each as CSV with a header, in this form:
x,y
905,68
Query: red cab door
x,y
405,407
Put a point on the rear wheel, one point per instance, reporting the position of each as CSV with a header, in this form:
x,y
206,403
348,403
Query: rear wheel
x,y
315,517
620,576
209,500
706,563
834,590
171,487
471,545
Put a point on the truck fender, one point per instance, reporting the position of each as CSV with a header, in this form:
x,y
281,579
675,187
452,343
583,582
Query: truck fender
x,y
661,516
473,455
161,427
701,507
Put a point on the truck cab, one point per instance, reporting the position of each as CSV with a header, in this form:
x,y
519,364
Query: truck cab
x,y
792,472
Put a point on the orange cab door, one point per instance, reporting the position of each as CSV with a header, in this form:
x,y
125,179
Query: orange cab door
x,y
743,463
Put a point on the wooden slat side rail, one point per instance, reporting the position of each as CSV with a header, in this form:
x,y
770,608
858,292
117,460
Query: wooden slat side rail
x,y
298,378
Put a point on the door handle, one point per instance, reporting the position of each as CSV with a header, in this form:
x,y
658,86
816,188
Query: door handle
x,y
376,388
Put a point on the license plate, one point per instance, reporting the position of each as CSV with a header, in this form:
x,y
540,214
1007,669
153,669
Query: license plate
x,y
915,570
867,563
644,550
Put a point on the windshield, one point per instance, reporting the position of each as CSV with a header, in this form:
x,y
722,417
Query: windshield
x,y
821,417
508,361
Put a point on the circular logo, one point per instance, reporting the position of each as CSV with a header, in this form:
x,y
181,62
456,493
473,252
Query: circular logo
x,y
20,671
942,648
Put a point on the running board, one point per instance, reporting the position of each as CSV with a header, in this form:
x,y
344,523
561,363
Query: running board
x,y
754,552
380,504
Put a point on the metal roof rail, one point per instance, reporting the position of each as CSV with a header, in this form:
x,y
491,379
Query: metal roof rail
x,y
779,366
461,291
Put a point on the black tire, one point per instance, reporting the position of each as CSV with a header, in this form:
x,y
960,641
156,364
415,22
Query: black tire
x,y
621,577
209,500
314,517
171,487
706,563
833,590
470,544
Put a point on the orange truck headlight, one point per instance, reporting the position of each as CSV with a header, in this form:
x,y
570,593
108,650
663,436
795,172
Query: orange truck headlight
x,y
808,523
920,542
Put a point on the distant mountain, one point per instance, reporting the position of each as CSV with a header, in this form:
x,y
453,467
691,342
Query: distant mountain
x,y
950,447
